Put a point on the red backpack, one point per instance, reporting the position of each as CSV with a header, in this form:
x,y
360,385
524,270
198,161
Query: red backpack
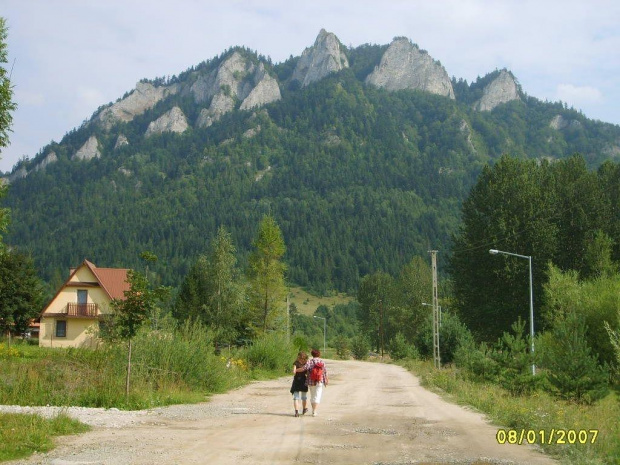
x,y
316,374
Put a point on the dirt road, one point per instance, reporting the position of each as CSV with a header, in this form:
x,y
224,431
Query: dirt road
x,y
372,413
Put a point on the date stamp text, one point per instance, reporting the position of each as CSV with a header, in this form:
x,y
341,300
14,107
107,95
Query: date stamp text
x,y
544,436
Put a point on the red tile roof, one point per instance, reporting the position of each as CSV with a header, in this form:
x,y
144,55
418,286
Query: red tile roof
x,y
112,280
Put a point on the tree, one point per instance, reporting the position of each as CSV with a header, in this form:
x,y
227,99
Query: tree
x,y
266,272
511,208
131,312
6,107
225,293
21,292
375,296
573,371
414,287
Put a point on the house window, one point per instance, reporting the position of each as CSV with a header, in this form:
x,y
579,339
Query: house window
x,y
61,328
82,297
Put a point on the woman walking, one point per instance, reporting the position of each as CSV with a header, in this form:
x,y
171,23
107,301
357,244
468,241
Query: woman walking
x,y
316,379
299,389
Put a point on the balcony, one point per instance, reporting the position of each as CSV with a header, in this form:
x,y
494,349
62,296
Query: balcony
x,y
83,310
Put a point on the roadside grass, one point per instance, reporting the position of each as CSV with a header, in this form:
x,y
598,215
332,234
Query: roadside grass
x,y
169,367
21,435
307,303
536,412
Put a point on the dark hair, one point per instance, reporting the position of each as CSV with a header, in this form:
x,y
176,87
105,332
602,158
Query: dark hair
x,y
315,352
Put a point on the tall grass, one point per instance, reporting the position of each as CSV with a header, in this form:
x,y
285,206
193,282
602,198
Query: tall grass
x,y
537,411
177,365
21,435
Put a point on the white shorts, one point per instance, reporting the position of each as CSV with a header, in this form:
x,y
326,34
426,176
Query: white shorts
x,y
315,393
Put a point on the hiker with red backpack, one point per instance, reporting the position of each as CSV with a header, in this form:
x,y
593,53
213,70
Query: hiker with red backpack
x,y
316,379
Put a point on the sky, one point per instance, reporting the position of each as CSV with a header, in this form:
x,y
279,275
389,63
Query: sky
x,y
69,57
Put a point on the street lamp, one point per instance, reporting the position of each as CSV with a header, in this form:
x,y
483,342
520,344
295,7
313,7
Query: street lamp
x,y
324,332
438,306
529,259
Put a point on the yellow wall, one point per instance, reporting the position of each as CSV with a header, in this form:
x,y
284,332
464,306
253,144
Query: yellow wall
x,y
81,332
77,334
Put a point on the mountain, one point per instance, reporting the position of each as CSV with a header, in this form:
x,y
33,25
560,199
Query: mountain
x,y
363,155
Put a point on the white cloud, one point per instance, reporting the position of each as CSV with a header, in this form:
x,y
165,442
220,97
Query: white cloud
x,y
578,95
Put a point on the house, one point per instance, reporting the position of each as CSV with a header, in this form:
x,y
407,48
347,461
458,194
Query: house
x,y
73,317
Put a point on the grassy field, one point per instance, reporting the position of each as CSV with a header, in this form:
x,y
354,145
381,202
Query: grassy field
x,y
536,413
21,435
307,303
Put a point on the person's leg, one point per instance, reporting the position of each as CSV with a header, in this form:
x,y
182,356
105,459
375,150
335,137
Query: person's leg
x,y
318,392
296,402
304,402
312,390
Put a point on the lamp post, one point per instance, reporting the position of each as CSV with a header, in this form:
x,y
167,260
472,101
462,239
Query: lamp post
x,y
324,332
430,305
529,259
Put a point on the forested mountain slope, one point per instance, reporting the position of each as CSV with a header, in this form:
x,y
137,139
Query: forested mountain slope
x,y
361,171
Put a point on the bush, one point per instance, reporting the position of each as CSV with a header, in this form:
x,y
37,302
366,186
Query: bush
x,y
573,371
341,344
514,360
360,346
476,362
271,352
452,334
400,349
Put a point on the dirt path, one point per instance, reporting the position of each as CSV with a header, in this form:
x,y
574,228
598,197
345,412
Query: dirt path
x,y
371,413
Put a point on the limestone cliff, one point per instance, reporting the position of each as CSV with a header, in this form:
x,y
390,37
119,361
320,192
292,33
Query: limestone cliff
x,y
405,66
142,98
501,90
171,121
236,79
88,151
121,140
49,158
323,58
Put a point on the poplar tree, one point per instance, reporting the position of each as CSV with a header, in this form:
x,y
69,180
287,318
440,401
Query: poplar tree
x,y
266,272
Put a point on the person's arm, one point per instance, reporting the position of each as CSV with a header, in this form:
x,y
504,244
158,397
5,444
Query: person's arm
x,y
306,367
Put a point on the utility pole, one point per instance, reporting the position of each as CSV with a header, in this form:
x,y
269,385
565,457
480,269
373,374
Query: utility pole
x,y
381,325
436,356
288,319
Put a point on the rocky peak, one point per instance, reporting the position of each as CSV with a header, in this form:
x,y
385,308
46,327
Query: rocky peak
x,y
502,89
237,78
142,98
88,151
172,121
323,58
405,66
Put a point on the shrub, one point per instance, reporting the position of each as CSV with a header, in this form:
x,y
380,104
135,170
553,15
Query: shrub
x,y
573,371
452,334
360,345
341,344
515,360
271,352
400,349
476,362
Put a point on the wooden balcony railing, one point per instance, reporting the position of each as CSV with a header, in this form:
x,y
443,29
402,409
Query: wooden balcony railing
x,y
75,309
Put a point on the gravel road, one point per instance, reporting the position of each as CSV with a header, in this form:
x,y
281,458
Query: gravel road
x,y
371,413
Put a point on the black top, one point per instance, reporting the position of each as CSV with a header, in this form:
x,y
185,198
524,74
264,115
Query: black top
x,y
299,380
